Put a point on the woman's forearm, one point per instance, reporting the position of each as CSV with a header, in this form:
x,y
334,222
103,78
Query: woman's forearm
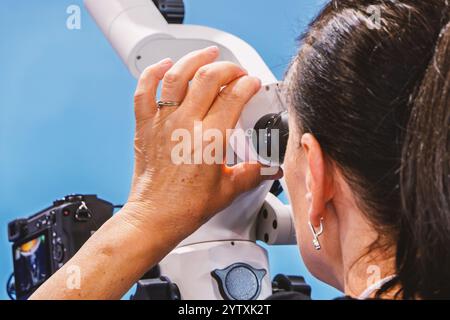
x,y
112,260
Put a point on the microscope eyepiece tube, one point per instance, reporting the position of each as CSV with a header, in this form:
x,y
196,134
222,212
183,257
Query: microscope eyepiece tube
x,y
271,136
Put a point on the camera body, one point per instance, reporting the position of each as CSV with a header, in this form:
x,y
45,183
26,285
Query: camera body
x,y
46,240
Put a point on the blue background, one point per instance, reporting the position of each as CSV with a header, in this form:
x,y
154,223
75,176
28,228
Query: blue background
x,y
66,120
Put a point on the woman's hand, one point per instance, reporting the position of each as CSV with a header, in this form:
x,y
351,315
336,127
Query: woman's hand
x,y
168,201
180,197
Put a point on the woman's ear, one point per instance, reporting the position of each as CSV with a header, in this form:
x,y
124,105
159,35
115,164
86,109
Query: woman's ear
x,y
319,179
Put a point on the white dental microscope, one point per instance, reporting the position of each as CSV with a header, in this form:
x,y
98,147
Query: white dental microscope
x,y
222,259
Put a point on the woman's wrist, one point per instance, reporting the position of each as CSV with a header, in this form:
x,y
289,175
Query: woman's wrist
x,y
154,224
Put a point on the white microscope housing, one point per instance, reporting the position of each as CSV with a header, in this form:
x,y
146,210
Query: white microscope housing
x,y
141,36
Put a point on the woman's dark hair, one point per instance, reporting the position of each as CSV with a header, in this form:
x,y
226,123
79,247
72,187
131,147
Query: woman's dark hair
x,y
372,83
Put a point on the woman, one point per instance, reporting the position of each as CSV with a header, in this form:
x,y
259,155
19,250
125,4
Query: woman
x,y
367,159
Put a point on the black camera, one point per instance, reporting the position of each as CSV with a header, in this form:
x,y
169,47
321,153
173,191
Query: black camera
x,y
46,240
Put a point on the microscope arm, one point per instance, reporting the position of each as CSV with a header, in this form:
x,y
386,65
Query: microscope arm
x,y
141,36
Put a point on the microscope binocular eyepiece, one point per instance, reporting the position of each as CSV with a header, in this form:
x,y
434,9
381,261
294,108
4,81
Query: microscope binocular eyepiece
x,y
271,136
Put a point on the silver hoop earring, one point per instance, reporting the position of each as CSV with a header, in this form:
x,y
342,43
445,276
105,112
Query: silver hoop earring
x,y
316,235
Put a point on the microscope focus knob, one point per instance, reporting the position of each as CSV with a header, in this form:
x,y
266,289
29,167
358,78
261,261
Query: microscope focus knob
x,y
172,10
239,281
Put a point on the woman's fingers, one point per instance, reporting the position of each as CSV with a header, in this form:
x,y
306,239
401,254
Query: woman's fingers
x,y
145,95
176,80
227,108
206,85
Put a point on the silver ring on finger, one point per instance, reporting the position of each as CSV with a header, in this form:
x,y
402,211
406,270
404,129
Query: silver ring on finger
x,y
161,104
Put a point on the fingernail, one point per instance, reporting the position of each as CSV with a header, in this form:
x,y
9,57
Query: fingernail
x,y
259,84
276,176
165,62
212,49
